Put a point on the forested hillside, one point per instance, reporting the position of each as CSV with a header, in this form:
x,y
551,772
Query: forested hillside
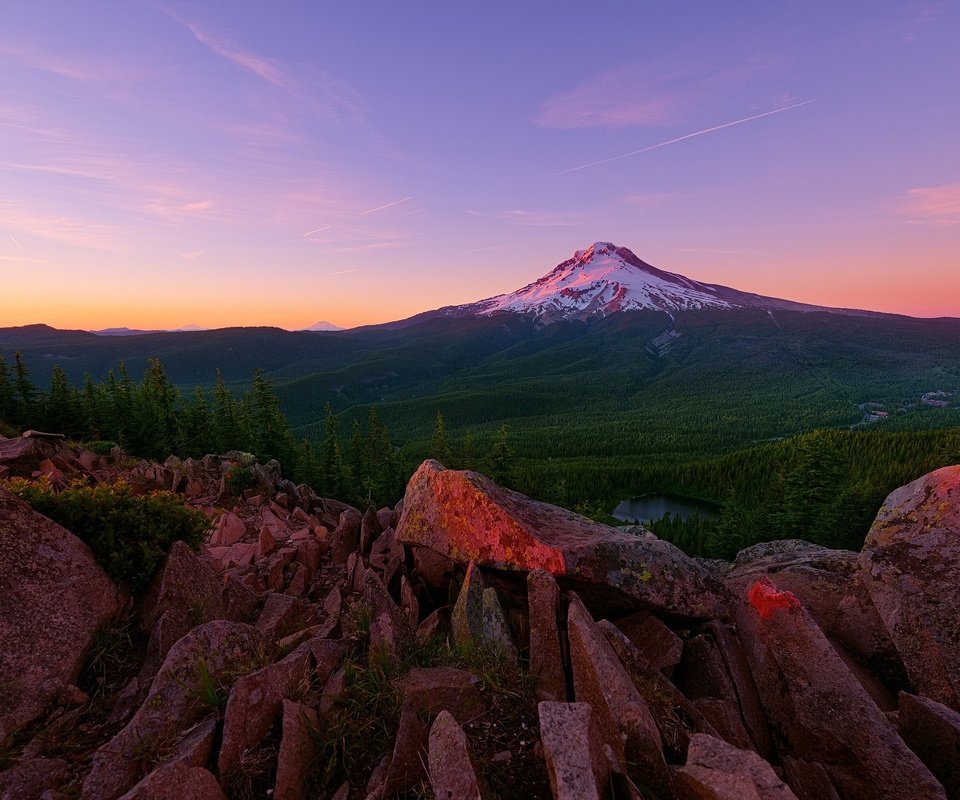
x,y
582,413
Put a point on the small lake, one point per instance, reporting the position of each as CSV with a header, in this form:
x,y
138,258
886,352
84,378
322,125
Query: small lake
x,y
649,507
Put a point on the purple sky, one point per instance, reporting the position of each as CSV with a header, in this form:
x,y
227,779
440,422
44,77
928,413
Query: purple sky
x,y
234,163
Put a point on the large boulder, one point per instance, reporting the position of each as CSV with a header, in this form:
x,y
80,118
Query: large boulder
x,y
465,516
910,565
54,596
185,593
828,584
819,709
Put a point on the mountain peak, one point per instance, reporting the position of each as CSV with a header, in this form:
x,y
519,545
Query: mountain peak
x,y
602,279
605,278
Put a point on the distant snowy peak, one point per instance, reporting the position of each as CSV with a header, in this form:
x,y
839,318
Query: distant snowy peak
x,y
601,280
323,325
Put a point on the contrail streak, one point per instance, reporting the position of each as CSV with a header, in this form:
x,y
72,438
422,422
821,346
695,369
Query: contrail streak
x,y
361,214
342,272
17,243
388,205
680,138
318,230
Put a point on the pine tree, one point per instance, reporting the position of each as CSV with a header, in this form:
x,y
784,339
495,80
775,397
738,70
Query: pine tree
x,y
439,445
227,429
271,434
7,398
198,436
62,406
156,430
501,461
334,481
25,393
468,452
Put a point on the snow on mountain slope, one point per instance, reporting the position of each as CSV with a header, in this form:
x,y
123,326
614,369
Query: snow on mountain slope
x,y
602,279
605,278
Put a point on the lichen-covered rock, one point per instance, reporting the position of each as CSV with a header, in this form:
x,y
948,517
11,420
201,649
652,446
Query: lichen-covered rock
x,y
346,537
177,781
452,774
390,628
185,593
932,731
296,751
255,704
828,584
466,517
477,617
571,747
54,596
623,718
819,708
201,661
910,565
716,770
546,660
32,777
433,689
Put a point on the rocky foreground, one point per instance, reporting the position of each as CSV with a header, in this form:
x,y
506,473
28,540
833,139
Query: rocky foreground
x,y
637,672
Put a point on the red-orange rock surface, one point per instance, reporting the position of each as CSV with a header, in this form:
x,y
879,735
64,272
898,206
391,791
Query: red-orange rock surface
x,y
465,516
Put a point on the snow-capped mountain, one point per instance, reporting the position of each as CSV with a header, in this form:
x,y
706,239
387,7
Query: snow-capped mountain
x,y
323,325
605,278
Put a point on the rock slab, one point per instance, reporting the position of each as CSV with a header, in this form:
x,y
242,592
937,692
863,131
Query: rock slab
x,y
464,516
54,596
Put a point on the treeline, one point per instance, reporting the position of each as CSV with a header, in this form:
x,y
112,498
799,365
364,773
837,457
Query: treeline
x,y
825,486
151,418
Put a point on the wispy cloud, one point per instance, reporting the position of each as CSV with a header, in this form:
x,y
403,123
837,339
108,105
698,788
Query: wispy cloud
x,y
200,205
224,48
192,255
644,95
23,259
314,89
72,230
34,58
932,205
342,272
683,138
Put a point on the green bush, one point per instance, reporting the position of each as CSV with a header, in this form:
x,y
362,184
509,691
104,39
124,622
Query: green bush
x,y
239,479
101,447
128,533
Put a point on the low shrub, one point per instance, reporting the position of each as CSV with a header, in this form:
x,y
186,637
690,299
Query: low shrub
x,y
128,533
238,480
101,447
